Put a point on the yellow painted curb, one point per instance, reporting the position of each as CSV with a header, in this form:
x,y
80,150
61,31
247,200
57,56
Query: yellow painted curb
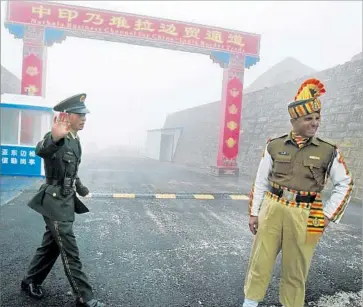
x,y
165,196
239,197
123,195
203,196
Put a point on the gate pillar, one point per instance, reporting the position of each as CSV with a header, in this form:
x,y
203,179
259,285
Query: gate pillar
x,y
34,66
230,115
34,62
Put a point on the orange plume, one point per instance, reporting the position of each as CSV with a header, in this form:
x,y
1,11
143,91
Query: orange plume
x,y
311,88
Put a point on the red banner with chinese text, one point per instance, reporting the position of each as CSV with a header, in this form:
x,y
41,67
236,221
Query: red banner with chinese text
x,y
63,17
232,118
31,82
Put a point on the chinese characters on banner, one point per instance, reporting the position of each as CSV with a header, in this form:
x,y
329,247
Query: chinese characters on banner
x,y
232,119
60,16
32,75
16,160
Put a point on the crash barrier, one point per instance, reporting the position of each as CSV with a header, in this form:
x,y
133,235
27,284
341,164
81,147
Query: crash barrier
x,y
195,196
128,195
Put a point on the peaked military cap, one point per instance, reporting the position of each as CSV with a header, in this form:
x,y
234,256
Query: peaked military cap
x,y
74,104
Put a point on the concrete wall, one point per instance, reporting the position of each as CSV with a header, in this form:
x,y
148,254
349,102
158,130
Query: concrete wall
x,y
153,144
264,115
197,145
9,82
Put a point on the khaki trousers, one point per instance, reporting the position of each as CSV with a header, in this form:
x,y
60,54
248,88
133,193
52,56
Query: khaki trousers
x,y
280,228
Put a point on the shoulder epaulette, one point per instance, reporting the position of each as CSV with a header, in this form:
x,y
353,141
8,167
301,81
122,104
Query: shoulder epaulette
x,y
276,138
327,142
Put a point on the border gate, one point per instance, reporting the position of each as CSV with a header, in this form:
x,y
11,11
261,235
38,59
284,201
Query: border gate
x,y
41,24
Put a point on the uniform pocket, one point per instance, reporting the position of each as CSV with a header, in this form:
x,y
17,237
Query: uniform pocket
x,y
39,196
269,218
312,163
70,162
69,158
266,209
53,194
317,170
282,165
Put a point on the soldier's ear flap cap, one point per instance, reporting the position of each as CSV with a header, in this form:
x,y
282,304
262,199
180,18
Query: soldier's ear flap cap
x,y
72,103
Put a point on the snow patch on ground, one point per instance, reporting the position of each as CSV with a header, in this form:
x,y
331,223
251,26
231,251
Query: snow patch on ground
x,y
340,299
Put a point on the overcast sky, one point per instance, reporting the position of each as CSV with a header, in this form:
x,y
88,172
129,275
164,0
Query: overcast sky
x,y
132,88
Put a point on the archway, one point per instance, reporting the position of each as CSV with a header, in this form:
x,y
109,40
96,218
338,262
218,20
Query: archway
x,y
40,25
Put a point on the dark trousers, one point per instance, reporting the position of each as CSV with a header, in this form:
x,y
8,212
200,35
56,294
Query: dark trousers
x,y
58,240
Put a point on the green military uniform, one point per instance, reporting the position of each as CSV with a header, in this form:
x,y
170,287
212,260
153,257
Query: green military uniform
x,y
49,201
57,201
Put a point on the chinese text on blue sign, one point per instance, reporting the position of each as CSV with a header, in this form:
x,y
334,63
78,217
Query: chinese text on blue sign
x,y
19,160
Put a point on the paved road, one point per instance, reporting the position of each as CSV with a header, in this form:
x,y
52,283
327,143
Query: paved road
x,y
12,186
158,253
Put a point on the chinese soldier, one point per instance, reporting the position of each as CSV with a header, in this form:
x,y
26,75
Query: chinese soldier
x,y
286,210
57,201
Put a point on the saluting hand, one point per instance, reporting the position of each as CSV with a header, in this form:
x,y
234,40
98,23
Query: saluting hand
x,y
61,127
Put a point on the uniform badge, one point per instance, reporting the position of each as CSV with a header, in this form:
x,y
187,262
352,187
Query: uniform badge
x,y
314,157
283,153
315,105
316,222
83,98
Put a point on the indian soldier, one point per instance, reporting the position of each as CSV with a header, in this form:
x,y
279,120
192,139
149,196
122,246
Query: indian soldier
x,y
58,202
286,209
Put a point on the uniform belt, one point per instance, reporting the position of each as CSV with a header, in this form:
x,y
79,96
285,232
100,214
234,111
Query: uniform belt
x,y
290,196
52,181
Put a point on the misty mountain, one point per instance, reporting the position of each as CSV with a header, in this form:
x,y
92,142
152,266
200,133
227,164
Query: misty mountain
x,y
357,57
287,70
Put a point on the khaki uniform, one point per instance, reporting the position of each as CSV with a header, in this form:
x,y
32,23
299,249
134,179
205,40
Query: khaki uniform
x,y
286,198
301,170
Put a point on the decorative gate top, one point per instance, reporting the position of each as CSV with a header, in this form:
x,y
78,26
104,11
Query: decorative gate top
x,y
59,21
41,24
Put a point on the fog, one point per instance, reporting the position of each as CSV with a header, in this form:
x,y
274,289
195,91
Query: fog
x,y
132,88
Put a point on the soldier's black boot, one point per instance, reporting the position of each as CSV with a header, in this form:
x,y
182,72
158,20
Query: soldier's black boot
x,y
91,303
33,290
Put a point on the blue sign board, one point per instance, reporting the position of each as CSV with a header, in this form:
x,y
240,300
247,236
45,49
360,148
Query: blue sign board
x,y
20,161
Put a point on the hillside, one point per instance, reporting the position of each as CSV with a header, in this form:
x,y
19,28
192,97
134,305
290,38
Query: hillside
x,y
357,57
288,70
